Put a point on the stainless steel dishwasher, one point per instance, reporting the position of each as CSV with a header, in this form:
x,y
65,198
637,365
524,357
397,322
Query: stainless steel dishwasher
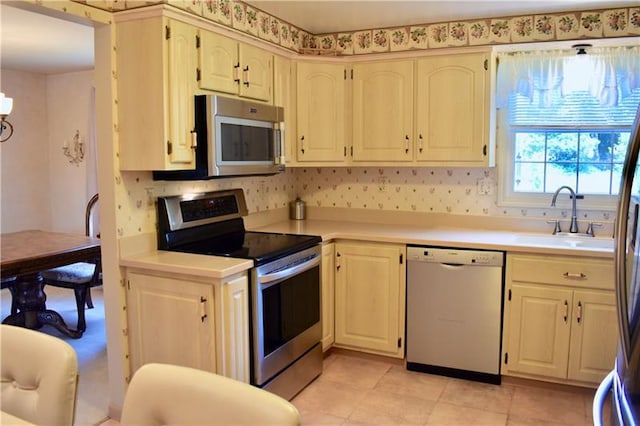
x,y
454,312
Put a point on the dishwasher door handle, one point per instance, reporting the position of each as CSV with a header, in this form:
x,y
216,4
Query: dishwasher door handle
x,y
452,265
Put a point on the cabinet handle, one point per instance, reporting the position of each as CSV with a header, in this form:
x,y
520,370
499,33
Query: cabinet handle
x,y
194,139
245,70
302,144
566,311
337,261
203,312
579,316
420,142
406,144
236,73
574,276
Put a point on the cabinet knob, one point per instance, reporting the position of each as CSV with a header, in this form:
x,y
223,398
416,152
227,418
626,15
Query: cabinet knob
x,y
406,144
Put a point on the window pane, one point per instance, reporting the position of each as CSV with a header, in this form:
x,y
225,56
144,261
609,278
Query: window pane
x,y
528,177
530,146
616,179
620,149
559,174
594,179
562,147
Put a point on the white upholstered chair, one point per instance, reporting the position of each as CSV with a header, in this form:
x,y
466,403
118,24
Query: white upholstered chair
x,y
163,394
39,376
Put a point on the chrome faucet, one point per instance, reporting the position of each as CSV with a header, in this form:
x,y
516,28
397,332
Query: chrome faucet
x,y
573,228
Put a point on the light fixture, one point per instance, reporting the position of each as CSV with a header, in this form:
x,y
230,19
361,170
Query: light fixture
x,y
6,105
581,49
75,153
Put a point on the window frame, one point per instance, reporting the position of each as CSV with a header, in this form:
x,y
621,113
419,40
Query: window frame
x,y
505,145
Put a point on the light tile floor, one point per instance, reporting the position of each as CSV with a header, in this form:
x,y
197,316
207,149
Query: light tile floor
x,y
357,389
374,391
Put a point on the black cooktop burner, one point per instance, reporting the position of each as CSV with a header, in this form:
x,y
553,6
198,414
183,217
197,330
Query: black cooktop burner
x,y
262,247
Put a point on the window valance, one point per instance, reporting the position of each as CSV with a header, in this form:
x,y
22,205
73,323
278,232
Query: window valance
x,y
610,74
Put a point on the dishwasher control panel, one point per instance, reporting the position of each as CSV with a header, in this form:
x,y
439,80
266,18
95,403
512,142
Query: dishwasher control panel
x,y
455,256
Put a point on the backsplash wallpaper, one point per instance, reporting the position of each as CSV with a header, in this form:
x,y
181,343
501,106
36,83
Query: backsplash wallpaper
x,y
439,190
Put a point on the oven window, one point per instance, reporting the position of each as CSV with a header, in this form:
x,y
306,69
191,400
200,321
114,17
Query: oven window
x,y
246,143
290,307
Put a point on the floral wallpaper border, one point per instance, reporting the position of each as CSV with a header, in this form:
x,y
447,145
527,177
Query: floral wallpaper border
x,y
619,22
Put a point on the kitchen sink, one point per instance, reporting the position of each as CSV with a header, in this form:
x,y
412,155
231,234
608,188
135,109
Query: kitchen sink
x,y
564,240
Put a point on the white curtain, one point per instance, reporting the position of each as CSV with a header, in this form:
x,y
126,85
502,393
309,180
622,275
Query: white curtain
x,y
609,74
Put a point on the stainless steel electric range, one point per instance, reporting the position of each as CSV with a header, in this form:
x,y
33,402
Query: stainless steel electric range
x,y
286,353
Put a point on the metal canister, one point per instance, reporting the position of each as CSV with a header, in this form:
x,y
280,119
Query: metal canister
x,y
297,209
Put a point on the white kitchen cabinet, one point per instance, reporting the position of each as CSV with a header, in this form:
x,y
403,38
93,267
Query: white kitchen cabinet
x,y
155,98
383,111
228,66
321,119
370,297
455,119
560,318
191,321
327,277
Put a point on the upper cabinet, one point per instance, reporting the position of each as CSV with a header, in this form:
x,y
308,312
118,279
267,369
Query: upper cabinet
x,y
383,111
454,111
228,66
321,107
155,97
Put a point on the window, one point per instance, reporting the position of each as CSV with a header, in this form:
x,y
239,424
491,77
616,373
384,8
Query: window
x,y
565,119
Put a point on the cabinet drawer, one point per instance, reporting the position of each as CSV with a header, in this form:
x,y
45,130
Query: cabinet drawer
x,y
561,270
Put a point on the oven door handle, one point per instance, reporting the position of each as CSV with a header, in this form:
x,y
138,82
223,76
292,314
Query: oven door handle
x,y
294,270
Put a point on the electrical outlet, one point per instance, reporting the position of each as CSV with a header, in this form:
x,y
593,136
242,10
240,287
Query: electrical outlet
x,y
484,186
382,183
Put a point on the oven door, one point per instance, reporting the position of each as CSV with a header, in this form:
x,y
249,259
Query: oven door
x,y
285,297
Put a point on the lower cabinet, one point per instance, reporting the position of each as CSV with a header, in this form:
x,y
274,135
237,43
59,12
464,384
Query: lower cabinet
x,y
560,318
370,297
327,278
190,321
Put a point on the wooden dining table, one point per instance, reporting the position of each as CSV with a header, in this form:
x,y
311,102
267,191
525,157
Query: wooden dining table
x,y
24,255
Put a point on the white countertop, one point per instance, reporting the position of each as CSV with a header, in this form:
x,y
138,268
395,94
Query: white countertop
x,y
186,263
447,237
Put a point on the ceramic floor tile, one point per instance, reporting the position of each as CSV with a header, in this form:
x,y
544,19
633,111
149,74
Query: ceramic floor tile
x,y
478,395
328,397
315,418
548,405
454,415
361,372
400,381
524,421
386,408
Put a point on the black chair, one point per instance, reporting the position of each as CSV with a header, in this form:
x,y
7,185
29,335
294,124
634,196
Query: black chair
x,y
80,276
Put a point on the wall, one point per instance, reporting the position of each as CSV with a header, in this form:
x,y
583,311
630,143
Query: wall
x,y
68,107
40,188
25,159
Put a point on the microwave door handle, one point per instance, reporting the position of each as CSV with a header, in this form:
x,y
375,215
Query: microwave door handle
x,y
271,279
278,143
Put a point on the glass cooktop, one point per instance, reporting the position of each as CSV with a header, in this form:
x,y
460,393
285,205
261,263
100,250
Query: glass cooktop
x,y
259,246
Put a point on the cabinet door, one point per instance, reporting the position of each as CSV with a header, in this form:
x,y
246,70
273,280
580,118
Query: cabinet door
x,y
368,298
257,73
383,111
219,63
539,328
284,96
328,295
321,112
235,329
594,339
181,64
170,321
453,109
155,118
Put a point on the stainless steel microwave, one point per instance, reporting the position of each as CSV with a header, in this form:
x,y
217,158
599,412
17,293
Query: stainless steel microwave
x,y
234,138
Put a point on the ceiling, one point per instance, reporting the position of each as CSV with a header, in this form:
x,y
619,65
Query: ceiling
x,y
38,43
